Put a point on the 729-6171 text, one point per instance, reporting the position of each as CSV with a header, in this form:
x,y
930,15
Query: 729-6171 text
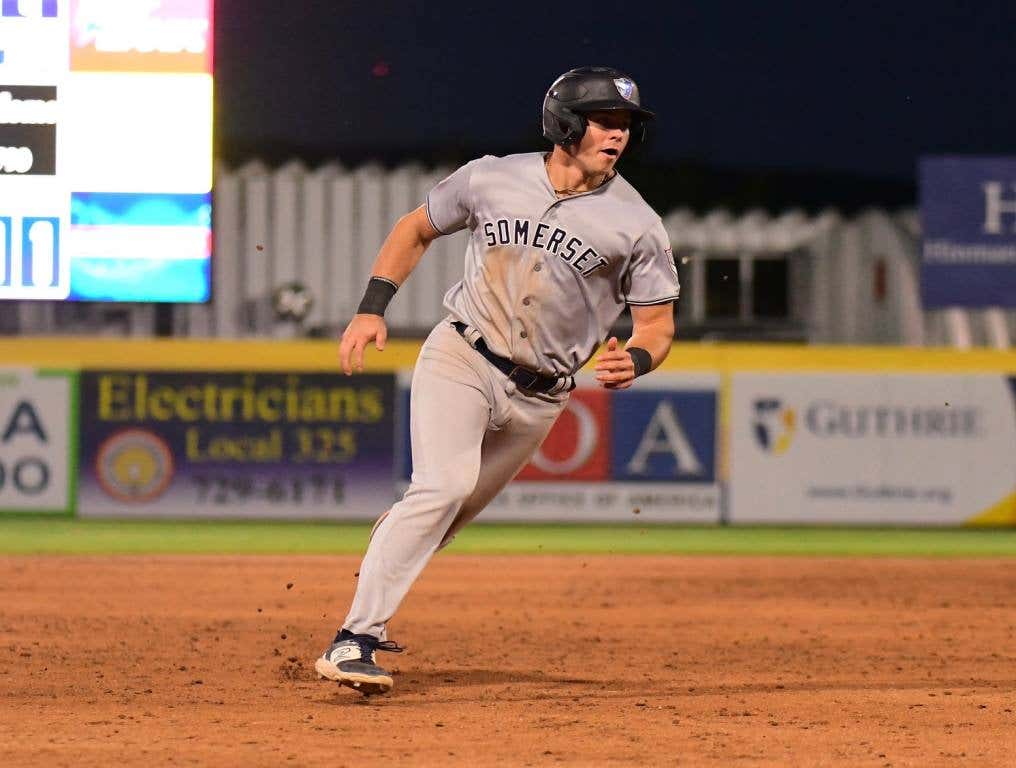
x,y
300,489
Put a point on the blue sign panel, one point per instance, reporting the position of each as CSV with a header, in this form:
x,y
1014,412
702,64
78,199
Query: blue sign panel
x,y
968,215
664,436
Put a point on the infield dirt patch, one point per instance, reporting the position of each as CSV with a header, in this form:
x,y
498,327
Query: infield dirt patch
x,y
532,660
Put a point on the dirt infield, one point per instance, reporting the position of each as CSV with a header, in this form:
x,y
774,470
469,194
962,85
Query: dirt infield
x,y
513,661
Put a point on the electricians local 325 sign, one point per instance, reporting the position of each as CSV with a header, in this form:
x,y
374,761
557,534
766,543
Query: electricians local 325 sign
x,y
36,433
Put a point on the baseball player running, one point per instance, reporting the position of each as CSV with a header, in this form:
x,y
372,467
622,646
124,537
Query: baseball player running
x,y
559,244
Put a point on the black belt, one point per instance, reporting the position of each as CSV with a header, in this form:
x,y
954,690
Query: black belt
x,y
523,377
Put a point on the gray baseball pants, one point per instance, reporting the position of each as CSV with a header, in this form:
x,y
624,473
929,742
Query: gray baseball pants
x,y
472,431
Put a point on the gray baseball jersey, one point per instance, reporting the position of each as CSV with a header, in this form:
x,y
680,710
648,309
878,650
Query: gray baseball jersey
x,y
546,277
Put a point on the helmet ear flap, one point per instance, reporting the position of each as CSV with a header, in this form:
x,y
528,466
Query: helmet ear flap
x,y
561,125
576,129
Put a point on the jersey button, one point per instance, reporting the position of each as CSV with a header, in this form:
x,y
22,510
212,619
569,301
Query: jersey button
x,y
526,302
537,268
524,335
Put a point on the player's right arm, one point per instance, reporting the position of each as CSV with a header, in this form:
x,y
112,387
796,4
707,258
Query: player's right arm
x,y
399,255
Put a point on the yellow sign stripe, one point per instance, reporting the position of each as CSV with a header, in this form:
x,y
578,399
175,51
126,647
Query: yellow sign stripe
x,y
771,357
254,355
197,354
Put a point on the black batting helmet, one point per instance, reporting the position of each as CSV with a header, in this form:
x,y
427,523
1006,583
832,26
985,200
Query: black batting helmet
x,y
589,89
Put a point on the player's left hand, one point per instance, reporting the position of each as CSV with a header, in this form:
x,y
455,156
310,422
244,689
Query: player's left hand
x,y
614,367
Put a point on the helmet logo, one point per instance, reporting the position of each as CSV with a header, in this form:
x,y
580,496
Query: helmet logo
x,y
624,87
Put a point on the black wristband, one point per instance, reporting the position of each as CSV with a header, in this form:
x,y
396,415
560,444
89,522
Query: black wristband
x,y
375,300
642,359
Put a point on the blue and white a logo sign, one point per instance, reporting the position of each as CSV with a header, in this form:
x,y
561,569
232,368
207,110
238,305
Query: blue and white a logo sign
x,y
625,87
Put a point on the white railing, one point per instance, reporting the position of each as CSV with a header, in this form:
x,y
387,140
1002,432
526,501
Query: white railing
x,y
320,228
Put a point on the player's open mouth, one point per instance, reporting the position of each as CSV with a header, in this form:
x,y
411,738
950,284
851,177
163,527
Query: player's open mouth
x,y
610,151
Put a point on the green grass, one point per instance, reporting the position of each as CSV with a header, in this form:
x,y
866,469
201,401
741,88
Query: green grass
x,y
40,535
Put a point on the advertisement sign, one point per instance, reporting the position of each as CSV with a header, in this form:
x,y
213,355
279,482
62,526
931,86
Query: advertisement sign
x,y
236,445
968,218
141,35
643,454
887,449
37,431
106,150
110,232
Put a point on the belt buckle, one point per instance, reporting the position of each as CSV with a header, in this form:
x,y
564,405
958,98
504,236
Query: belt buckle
x,y
534,378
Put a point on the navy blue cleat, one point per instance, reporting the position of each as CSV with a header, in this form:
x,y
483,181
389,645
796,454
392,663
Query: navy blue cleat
x,y
349,660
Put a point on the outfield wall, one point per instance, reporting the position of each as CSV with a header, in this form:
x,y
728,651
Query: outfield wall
x,y
741,434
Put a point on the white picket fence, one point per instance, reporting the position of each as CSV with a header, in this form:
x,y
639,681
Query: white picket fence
x,y
323,227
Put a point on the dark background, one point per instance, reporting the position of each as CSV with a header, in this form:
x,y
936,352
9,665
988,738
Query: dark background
x,y
770,104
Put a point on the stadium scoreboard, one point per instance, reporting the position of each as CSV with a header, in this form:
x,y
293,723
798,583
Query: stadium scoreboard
x,y
105,150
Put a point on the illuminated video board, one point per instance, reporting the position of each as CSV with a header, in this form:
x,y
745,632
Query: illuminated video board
x,y
105,149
